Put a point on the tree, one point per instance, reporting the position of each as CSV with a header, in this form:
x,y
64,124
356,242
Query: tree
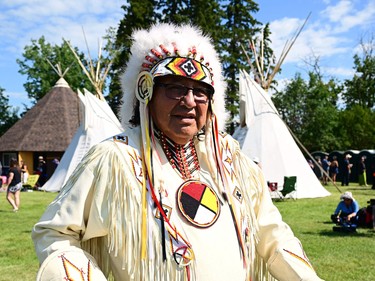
x,y
40,75
239,26
137,14
309,109
361,89
357,130
205,14
8,115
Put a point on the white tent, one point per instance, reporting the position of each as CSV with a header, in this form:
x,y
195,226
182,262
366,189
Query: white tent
x,y
266,137
98,123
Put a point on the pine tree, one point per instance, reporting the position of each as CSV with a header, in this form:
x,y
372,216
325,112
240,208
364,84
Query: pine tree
x,y
8,115
137,14
239,26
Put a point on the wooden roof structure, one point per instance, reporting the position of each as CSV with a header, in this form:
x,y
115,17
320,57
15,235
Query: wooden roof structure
x,y
48,126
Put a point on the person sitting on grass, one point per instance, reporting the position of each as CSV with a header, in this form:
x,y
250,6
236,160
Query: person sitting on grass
x,y
346,211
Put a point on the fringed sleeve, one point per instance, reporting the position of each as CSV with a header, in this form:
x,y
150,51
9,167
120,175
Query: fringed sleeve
x,y
279,254
90,213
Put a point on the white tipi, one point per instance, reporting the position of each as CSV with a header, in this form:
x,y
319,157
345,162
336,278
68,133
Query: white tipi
x,y
98,123
266,137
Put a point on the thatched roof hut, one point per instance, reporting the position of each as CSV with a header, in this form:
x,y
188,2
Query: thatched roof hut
x,y
46,129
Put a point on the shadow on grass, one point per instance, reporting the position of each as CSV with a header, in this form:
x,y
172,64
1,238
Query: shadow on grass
x,y
330,233
358,188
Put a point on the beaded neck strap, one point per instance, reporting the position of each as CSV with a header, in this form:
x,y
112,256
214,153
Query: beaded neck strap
x,y
182,158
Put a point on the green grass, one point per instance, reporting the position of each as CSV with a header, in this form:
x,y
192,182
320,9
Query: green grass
x,y
335,256
17,256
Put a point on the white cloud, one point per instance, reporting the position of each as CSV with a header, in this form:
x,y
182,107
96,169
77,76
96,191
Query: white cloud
x,y
338,71
315,39
332,35
24,20
350,14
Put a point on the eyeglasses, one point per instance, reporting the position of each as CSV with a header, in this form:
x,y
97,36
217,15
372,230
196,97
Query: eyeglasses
x,y
177,92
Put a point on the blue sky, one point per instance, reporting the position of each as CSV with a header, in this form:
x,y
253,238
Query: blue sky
x,y
332,33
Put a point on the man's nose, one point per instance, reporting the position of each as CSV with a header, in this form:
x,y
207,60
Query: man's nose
x,y
188,99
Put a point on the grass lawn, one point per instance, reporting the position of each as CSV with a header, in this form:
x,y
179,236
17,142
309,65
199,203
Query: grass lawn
x,y
336,256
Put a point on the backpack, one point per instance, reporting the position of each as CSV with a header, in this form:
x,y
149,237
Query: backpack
x,y
364,216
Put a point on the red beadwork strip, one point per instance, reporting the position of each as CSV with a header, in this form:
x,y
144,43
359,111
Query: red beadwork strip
x,y
183,158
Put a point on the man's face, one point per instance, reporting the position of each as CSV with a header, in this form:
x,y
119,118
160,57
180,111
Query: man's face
x,y
347,201
179,119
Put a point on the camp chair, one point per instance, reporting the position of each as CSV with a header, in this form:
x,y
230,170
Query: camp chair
x,y
289,187
31,182
274,190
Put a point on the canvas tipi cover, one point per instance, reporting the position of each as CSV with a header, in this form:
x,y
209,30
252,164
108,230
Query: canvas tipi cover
x,y
266,137
98,123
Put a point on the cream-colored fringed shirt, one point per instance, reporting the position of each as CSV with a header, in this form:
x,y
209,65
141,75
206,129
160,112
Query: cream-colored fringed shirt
x,y
93,229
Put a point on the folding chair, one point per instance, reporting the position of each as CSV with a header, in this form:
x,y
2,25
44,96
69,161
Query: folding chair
x,y
31,182
289,187
274,190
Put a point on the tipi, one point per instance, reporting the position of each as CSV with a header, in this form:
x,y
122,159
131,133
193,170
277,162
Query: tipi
x,y
262,133
266,137
99,122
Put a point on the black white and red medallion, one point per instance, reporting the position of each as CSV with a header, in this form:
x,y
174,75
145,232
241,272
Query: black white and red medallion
x,y
198,203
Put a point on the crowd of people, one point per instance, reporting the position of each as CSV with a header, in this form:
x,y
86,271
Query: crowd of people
x,y
326,170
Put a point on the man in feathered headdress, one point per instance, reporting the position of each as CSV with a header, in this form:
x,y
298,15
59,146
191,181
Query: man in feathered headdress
x,y
171,198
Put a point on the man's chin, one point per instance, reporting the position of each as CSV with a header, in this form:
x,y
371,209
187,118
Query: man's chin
x,y
182,134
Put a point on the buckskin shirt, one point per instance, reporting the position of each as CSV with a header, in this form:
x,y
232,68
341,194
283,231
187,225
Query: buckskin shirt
x,y
93,229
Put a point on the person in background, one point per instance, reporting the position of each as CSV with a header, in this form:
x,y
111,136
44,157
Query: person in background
x,y
362,172
346,210
318,168
1,176
171,198
311,164
24,172
14,185
42,171
325,166
346,170
334,169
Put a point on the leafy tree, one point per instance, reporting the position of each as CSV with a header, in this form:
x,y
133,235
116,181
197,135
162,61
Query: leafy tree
x,y
357,130
290,103
309,109
361,89
239,25
40,75
8,115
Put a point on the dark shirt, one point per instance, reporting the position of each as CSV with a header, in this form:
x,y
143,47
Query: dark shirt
x,y
16,176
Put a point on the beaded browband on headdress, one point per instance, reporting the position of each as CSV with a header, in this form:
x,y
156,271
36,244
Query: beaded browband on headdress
x,y
166,63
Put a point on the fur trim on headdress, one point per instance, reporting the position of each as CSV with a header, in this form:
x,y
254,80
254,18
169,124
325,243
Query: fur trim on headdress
x,y
167,40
